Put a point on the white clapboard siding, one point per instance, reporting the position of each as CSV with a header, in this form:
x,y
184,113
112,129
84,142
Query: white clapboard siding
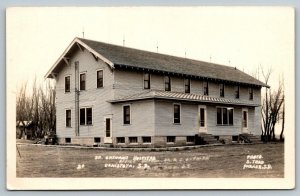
x,y
142,119
91,97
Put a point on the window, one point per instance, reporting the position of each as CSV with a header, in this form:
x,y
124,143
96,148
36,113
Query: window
x,y
146,81
221,90
67,84
237,92
190,139
126,115
120,140
86,116
67,140
251,93
107,127
167,83
205,88
89,116
176,113
82,116
170,139
68,118
187,85
224,116
82,81
245,119
97,140
146,140
99,78
133,140
202,117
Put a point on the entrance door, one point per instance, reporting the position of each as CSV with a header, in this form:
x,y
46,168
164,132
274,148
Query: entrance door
x,y
108,132
202,118
245,120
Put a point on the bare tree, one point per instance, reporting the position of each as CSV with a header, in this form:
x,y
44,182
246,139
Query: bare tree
x,y
24,107
271,107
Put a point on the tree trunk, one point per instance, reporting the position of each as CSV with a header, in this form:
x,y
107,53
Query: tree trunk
x,y
282,128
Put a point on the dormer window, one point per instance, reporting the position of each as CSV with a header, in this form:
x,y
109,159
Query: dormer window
x,y
146,81
187,85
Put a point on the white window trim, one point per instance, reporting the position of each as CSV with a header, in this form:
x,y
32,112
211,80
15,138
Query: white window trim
x,y
190,85
179,114
132,143
245,129
249,93
130,115
146,142
207,87
69,75
220,90
97,78
66,118
170,83
85,116
205,118
238,89
144,81
229,125
109,116
85,80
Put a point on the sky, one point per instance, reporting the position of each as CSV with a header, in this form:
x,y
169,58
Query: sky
x,y
243,37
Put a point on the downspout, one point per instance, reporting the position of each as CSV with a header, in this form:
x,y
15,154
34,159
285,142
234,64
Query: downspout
x,y
76,99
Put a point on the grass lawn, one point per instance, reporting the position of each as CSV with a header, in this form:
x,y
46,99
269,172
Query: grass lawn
x,y
228,161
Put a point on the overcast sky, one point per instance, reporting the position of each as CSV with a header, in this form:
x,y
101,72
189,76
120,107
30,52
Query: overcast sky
x,y
242,37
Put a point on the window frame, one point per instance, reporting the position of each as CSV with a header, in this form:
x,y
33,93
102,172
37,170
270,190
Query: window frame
x,y
222,90
185,85
205,116
80,87
236,91
168,84
97,84
227,116
206,93
251,93
85,116
68,76
177,123
148,81
66,124
123,112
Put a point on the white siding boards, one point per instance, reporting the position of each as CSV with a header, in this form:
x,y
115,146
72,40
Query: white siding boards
x,y
88,113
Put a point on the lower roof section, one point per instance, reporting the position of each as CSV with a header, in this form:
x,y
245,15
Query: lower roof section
x,y
178,96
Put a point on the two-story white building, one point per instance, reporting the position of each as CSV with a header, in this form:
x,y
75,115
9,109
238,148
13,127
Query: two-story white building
x,y
109,94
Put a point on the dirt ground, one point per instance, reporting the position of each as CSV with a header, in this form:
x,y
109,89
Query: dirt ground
x,y
228,161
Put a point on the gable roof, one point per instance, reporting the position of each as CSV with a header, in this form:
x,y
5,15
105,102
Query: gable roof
x,y
159,94
124,57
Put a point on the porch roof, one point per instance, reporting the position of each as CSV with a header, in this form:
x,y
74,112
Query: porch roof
x,y
179,96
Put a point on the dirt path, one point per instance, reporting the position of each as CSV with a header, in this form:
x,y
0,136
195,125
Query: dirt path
x,y
219,161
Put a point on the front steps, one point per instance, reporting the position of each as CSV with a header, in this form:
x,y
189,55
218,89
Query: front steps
x,y
249,138
204,138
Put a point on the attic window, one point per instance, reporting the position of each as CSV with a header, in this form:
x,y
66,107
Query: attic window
x,y
99,78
